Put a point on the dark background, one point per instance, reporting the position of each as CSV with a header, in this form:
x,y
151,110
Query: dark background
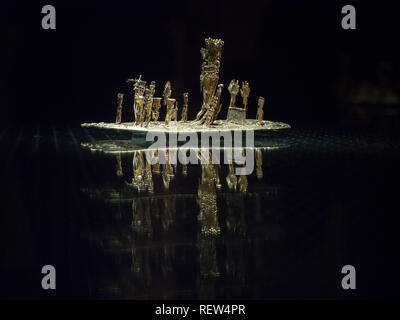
x,y
295,53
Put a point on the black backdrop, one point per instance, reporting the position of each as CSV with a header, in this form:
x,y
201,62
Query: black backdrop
x,y
295,53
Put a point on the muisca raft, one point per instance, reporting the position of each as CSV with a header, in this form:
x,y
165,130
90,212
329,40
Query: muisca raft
x,y
146,107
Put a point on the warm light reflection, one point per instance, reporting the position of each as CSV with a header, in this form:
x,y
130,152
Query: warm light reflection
x,y
158,210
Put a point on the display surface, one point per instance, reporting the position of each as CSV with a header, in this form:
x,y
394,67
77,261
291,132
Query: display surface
x,y
320,200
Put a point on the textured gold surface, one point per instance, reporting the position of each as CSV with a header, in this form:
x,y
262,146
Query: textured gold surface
x,y
233,89
260,112
209,80
147,108
244,92
156,109
170,111
192,126
120,99
185,107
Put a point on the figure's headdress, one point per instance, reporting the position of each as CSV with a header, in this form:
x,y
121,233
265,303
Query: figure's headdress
x,y
213,49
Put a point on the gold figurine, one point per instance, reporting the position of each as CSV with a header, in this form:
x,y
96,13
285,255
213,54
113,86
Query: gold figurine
x,y
139,87
185,107
149,102
147,108
156,108
175,112
213,108
184,169
209,72
233,89
243,183
259,172
156,166
235,114
119,108
167,93
119,165
139,102
244,92
207,199
260,112
231,179
219,105
170,110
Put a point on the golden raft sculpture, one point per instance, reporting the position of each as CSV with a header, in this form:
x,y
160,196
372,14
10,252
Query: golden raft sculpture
x,y
146,107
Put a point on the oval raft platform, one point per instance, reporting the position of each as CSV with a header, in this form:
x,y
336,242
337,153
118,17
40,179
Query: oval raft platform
x,y
264,133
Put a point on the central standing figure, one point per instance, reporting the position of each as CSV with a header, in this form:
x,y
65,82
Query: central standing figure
x,y
209,73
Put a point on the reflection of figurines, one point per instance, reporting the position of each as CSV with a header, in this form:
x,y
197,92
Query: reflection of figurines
x,y
170,111
243,183
149,178
156,109
208,257
185,107
138,170
142,175
260,112
184,169
208,219
167,171
141,217
141,265
120,99
244,92
167,93
172,160
167,260
233,89
156,166
235,216
138,165
216,177
258,157
235,262
169,213
119,165
231,179
165,177
168,166
208,200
